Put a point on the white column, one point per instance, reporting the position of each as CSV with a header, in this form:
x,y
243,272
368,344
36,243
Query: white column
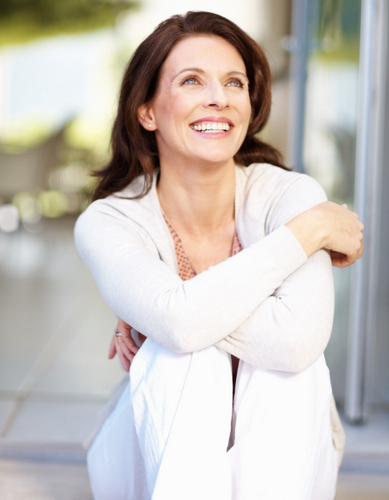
x,y
368,189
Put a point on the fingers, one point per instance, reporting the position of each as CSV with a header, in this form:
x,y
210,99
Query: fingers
x,y
341,260
123,327
130,344
360,253
112,349
351,212
123,359
123,344
345,236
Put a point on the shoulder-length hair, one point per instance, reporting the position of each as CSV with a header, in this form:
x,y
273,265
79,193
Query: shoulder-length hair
x,y
134,150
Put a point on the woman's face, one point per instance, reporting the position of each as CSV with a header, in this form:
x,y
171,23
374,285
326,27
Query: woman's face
x,y
202,109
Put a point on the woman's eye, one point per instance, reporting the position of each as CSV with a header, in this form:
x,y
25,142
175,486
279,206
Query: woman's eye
x,y
235,83
190,81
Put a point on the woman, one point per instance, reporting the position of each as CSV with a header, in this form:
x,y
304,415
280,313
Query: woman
x,y
191,191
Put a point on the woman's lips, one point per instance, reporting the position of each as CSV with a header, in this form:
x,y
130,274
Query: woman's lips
x,y
212,125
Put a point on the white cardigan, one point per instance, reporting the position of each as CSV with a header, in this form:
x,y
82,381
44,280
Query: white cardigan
x,y
268,305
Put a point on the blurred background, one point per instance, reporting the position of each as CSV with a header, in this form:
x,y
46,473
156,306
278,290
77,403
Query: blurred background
x,y
60,68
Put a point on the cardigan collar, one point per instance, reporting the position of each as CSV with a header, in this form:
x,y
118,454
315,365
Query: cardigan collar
x,y
146,211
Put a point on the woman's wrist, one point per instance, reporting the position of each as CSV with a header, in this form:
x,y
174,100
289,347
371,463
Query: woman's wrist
x,y
309,228
329,226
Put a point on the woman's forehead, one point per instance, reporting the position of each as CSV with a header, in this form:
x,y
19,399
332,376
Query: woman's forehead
x,y
203,52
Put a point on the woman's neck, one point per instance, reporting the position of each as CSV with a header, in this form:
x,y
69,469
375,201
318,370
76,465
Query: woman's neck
x,y
198,201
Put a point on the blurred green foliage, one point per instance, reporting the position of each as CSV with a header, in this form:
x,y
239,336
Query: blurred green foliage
x,y
338,30
24,20
340,15
49,12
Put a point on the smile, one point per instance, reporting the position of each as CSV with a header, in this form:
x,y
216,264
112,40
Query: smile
x,y
211,127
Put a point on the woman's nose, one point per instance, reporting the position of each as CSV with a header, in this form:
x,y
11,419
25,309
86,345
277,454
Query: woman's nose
x,y
216,97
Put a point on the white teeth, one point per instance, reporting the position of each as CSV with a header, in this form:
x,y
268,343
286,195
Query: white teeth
x,y
211,126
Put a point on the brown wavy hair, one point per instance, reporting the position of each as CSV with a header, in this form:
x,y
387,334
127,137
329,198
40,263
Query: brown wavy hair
x,y
134,150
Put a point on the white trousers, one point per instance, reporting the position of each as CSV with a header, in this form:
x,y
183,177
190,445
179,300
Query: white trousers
x,y
168,435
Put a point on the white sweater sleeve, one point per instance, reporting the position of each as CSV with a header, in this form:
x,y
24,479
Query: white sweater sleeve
x,y
291,328
181,316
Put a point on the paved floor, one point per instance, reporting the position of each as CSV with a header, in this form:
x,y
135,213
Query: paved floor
x,y
22,480
54,332
55,376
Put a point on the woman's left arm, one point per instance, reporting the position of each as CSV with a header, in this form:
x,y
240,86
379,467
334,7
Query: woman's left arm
x,y
291,328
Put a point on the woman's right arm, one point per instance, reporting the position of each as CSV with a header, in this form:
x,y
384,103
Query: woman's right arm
x,y
148,295
183,316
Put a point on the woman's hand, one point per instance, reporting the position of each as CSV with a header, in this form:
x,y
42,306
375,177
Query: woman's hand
x,y
124,345
333,227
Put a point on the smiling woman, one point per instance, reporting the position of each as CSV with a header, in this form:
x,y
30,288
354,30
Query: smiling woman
x,y
213,259
200,116
209,100
134,150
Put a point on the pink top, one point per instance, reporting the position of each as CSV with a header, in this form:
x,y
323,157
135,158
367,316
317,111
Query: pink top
x,y
186,269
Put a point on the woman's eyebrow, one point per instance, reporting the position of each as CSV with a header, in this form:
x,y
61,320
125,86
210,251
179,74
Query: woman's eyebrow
x,y
237,73
199,70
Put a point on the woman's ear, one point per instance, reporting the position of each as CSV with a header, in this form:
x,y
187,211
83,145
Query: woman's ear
x,y
146,117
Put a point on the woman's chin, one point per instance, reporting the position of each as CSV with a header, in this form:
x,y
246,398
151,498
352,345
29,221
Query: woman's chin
x,y
216,157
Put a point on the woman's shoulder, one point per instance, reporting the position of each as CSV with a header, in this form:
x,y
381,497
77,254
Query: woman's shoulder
x,y
270,196
123,211
129,203
265,174
272,182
